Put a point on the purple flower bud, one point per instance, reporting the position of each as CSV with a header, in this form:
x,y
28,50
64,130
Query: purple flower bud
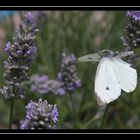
x,y
19,52
59,76
55,114
32,51
73,58
43,90
30,105
60,91
43,78
33,88
134,15
78,83
39,84
8,47
29,17
22,124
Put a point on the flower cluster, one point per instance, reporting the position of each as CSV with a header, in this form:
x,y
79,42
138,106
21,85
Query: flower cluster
x,y
134,15
67,74
38,18
40,115
42,85
20,55
131,39
66,81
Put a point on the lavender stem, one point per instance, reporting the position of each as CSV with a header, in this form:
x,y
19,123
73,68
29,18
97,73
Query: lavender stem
x,y
73,107
104,116
11,113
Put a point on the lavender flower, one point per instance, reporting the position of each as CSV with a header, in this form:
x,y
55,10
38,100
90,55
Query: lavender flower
x,y
42,84
60,91
20,55
67,74
66,81
54,114
39,17
40,115
29,17
39,84
131,38
8,47
134,15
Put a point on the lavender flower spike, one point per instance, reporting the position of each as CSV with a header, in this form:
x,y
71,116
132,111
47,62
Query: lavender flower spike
x,y
134,15
20,56
131,37
67,80
67,74
40,115
42,84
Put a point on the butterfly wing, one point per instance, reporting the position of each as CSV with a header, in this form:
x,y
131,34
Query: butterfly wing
x,y
107,87
89,58
126,75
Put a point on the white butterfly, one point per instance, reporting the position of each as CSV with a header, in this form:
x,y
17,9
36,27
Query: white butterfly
x,y
112,75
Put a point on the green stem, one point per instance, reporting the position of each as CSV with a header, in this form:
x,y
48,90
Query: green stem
x,y
89,122
103,118
72,103
11,113
73,110
83,100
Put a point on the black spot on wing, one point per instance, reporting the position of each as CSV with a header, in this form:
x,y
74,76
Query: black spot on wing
x,y
107,88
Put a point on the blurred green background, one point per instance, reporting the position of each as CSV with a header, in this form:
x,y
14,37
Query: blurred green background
x,y
78,32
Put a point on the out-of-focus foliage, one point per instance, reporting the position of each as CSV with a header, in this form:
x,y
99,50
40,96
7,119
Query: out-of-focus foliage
x,y
81,33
